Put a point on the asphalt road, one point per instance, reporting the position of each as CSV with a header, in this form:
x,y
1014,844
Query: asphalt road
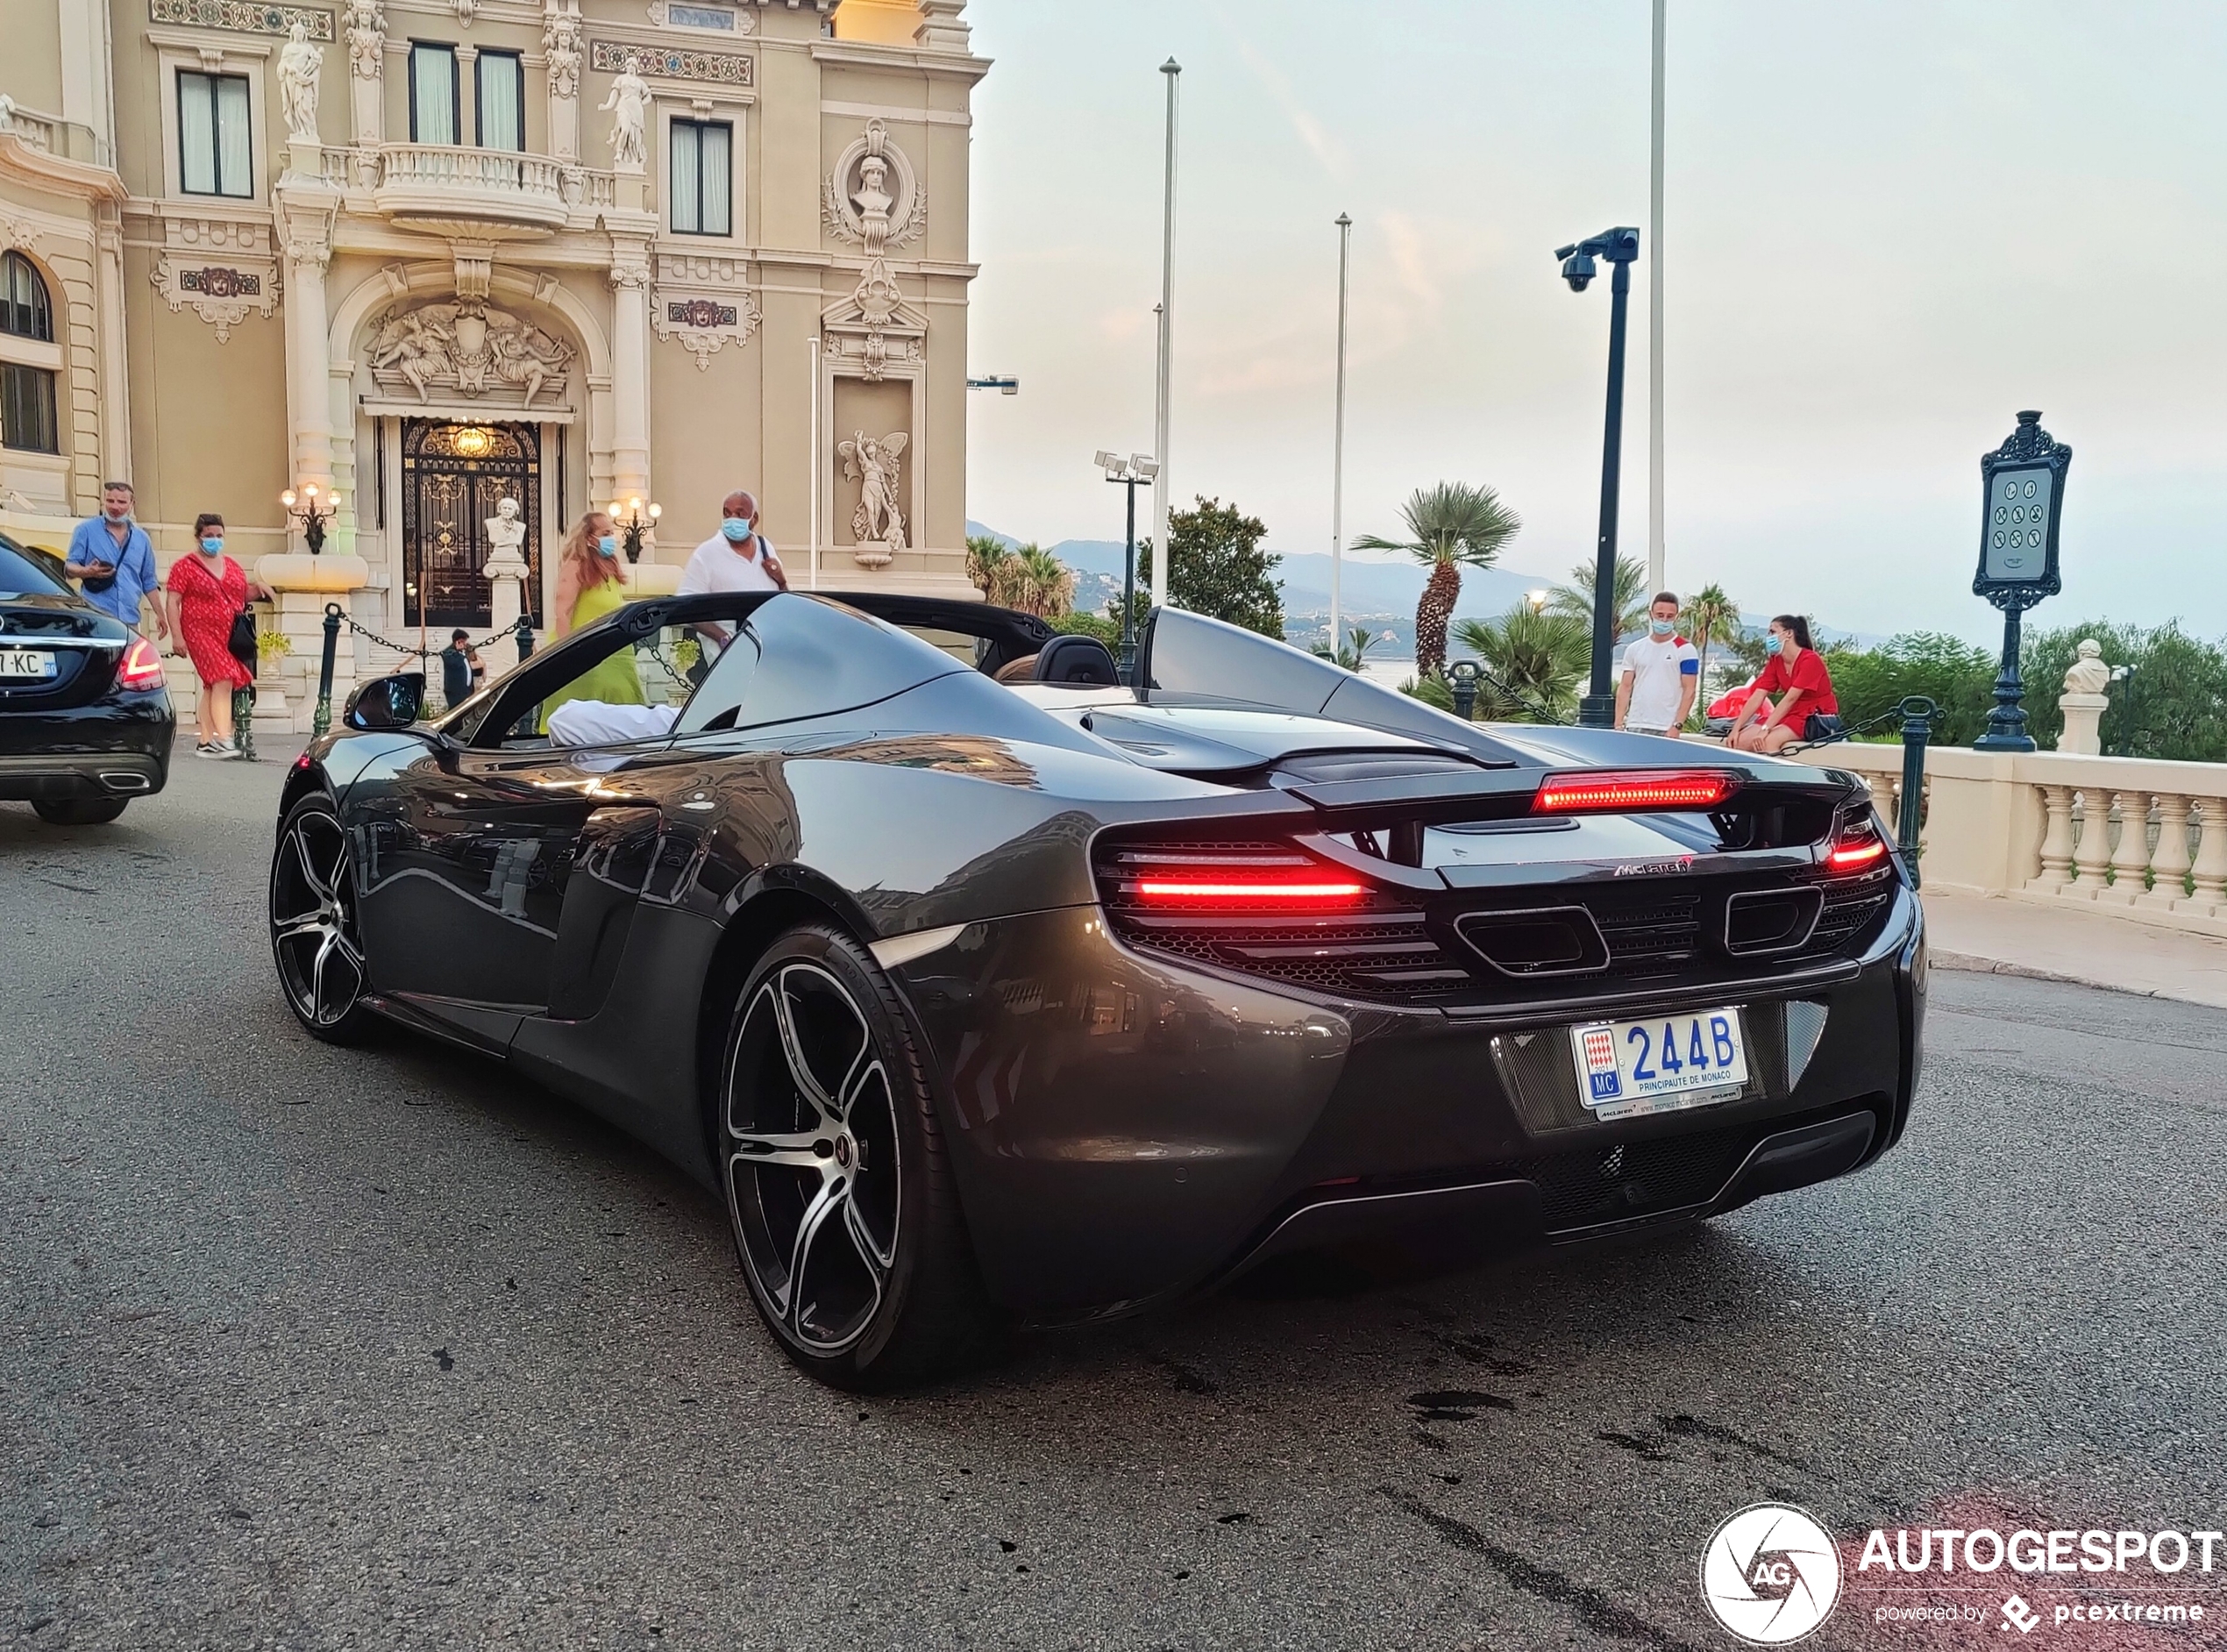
x,y
309,1348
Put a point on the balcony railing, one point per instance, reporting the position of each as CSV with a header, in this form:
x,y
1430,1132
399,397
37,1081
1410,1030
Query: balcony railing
x,y
452,182
49,134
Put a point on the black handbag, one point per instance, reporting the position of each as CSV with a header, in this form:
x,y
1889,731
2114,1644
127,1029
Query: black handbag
x,y
1819,728
241,643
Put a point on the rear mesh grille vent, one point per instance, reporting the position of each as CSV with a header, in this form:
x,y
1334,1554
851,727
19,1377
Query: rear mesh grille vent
x,y
1381,946
1585,1188
1374,947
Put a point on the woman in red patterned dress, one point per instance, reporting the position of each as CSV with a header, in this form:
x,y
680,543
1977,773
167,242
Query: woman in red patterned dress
x,y
206,588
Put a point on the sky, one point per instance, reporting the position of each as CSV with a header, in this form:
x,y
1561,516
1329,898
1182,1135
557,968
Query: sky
x,y
1889,226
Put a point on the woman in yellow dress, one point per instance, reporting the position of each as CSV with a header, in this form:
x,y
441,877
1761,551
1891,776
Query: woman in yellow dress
x,y
589,585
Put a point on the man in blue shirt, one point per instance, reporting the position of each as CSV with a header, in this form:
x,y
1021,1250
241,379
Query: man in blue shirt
x,y
111,553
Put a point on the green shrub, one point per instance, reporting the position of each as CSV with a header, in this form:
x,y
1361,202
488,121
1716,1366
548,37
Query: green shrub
x,y
1076,624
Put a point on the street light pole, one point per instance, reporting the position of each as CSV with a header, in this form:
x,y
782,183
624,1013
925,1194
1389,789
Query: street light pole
x,y
1656,577
1173,70
1338,445
1132,473
1620,246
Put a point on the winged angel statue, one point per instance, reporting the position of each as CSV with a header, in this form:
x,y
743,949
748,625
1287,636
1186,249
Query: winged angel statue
x,y
877,525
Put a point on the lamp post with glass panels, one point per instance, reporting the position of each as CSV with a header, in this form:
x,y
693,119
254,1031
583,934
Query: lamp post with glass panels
x,y
1137,471
1620,246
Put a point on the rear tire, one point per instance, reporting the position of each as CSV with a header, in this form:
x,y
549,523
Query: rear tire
x,y
839,1192
315,939
77,811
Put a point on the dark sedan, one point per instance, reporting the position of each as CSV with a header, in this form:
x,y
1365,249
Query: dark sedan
x,y
85,720
978,985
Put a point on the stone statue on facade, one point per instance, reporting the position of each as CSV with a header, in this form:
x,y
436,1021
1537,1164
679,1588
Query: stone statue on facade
x,y
299,65
877,524
366,24
560,37
467,346
628,107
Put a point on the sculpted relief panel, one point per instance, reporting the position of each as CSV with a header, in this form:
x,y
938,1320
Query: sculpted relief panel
x,y
472,348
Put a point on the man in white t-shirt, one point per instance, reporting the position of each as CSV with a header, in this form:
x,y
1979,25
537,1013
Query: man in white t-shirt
x,y
1661,674
737,558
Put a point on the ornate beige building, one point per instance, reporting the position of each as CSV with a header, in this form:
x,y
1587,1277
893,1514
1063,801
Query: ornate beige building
x,y
426,255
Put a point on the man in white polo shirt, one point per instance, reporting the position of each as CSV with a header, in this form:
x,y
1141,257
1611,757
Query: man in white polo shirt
x,y
1661,674
737,558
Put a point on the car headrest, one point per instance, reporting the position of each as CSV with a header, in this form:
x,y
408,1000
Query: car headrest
x,y
1077,659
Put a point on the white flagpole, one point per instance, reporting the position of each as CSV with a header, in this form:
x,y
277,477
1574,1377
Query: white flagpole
x,y
814,445
1655,573
1173,70
1338,448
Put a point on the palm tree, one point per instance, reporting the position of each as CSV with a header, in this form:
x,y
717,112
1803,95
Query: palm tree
x,y
1710,616
1352,655
1629,596
1045,586
988,567
1450,526
1538,658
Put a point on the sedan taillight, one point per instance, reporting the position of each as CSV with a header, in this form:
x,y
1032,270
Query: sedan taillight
x,y
142,667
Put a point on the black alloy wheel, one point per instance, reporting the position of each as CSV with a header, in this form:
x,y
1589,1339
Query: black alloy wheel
x,y
845,1214
314,936
77,811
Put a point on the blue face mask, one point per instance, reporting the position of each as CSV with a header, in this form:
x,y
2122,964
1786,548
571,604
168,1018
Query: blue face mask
x,y
608,544
212,546
1774,643
1662,626
736,529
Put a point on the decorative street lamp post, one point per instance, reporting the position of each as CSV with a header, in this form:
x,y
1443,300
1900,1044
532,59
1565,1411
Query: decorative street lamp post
x,y
312,512
633,525
1620,246
1133,473
2022,492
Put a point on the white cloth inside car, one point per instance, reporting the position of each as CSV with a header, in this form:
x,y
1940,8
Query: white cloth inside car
x,y
603,723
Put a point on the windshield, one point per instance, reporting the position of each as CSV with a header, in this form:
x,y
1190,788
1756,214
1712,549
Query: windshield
x,y
28,573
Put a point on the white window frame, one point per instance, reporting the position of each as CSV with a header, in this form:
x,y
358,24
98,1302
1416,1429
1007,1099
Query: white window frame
x,y
175,51
464,74
178,79
732,110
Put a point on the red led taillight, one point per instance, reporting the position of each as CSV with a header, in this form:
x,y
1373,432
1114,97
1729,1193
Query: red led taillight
x,y
142,667
1282,894
1634,790
1856,857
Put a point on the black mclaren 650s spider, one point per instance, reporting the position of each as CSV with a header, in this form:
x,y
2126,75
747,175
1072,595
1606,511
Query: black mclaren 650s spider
x,y
980,986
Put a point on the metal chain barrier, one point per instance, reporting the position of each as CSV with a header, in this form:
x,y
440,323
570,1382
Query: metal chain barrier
x,y
335,617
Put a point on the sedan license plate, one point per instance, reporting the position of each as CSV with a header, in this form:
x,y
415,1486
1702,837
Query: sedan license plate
x,y
1626,1068
17,663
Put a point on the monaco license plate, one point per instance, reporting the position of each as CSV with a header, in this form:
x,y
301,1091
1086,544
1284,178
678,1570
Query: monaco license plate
x,y
1660,1064
18,663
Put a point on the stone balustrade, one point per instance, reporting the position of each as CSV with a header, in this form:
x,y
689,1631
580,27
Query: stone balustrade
x,y
430,179
2137,837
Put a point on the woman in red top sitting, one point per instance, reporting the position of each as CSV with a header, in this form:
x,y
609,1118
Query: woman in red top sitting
x,y
1797,675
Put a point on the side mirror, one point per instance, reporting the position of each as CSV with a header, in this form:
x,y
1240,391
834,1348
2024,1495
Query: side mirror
x,y
386,702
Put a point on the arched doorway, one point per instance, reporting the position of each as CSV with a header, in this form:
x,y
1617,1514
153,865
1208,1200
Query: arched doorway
x,y
453,475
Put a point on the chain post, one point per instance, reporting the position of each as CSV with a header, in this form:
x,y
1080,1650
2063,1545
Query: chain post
x,y
1918,728
524,630
321,724
244,721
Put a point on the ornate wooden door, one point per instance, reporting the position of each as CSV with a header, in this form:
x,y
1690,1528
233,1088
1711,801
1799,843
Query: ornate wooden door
x,y
453,476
